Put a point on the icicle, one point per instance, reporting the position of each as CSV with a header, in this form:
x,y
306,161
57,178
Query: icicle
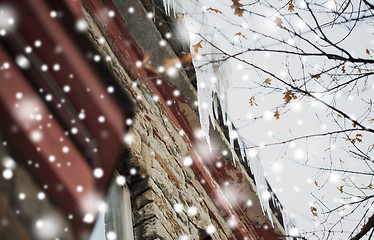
x,y
261,183
207,91
242,147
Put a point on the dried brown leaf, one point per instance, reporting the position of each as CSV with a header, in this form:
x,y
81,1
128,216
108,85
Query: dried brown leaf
x,y
197,46
291,7
240,34
214,10
237,6
288,96
252,101
314,211
276,114
187,59
316,76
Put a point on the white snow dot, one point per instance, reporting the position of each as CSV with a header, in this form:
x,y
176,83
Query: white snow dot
x,y
65,149
294,232
19,95
187,161
36,136
299,154
38,117
79,188
22,196
133,171
6,65
98,172
155,98
48,97
138,64
44,68
161,69
81,25
231,222
218,164
162,43
296,189
249,203
53,14
128,138
7,174
268,115
277,167
266,195
96,58
183,237
168,35
252,153
9,163
129,122
110,89
150,15
192,211
66,88
131,10
233,134
82,115
56,67
111,13
22,62
334,178
172,71
111,235
178,207
28,49
41,195
176,93
74,130
210,229
52,158
101,119
121,180
39,224
37,43
10,21
88,218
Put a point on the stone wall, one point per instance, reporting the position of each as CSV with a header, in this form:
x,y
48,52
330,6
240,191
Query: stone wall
x,y
164,191
168,200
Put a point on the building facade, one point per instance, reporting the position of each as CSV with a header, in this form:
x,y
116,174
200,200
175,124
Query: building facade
x,y
167,183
